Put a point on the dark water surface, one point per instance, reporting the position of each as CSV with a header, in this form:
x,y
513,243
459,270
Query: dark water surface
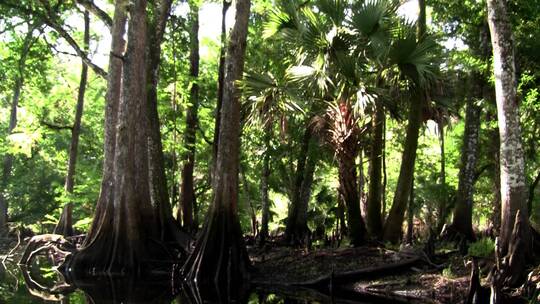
x,y
41,284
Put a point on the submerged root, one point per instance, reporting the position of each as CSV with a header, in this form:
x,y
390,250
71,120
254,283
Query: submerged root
x,y
55,244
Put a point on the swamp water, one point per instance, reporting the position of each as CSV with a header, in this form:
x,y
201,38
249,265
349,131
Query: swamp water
x,y
41,284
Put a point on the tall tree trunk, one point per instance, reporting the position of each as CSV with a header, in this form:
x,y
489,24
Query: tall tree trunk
x,y
374,218
112,98
349,190
344,138
221,78
462,221
296,229
252,212
187,191
167,227
362,180
442,214
117,245
305,196
264,188
65,224
219,258
340,215
8,158
125,220
410,217
392,228
496,215
385,176
512,162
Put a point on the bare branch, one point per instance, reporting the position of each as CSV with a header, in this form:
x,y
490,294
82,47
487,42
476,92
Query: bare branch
x,y
53,47
94,9
51,22
54,126
64,34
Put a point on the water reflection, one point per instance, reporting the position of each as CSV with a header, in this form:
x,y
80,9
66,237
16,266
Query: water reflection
x,y
45,285
37,285
43,288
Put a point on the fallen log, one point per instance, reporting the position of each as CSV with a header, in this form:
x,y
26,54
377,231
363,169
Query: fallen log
x,y
332,279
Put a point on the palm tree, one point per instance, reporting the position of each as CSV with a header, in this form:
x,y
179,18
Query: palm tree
x,y
351,63
269,99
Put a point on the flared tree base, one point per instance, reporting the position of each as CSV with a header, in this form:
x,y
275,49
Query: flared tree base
x,y
219,261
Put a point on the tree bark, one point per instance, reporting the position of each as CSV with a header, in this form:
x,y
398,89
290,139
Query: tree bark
x,y
410,216
219,258
442,214
112,98
125,220
65,224
118,246
291,228
462,221
263,235
8,158
385,176
512,162
164,221
187,191
374,218
252,212
392,228
221,78
349,190
362,181
496,187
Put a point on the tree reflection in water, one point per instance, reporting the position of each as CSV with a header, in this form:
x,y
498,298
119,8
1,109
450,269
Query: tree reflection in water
x,y
162,290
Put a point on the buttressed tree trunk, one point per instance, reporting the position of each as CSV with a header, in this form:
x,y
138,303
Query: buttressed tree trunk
x,y
219,258
125,221
112,99
462,221
8,158
187,191
512,162
115,245
65,224
392,228
374,219
167,227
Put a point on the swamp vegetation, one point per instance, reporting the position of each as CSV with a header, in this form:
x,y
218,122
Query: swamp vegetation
x,y
269,151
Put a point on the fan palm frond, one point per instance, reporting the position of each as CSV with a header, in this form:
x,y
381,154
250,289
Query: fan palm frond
x,y
333,9
414,58
268,98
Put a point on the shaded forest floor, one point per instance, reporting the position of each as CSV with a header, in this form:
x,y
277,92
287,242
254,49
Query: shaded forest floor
x,y
376,273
